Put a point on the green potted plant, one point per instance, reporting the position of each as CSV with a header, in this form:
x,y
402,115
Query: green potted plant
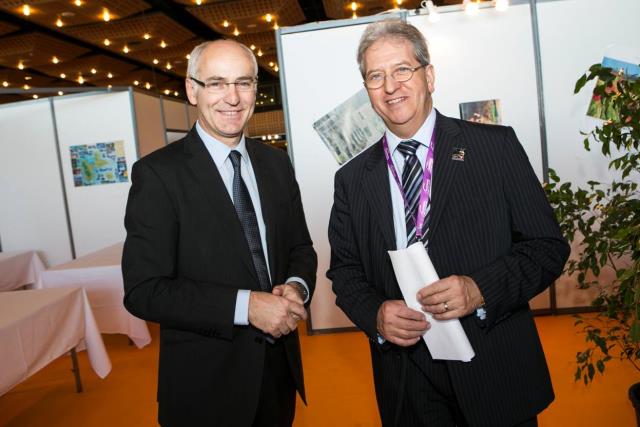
x,y
605,220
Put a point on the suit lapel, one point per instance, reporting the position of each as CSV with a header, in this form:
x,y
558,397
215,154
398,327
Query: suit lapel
x,y
206,172
376,189
444,168
266,191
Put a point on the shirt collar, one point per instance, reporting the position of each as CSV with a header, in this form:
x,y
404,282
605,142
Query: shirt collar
x,y
423,135
220,151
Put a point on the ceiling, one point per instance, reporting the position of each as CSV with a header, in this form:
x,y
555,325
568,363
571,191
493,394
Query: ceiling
x,y
86,43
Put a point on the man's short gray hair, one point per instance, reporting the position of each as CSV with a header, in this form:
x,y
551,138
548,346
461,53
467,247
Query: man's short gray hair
x,y
194,57
394,29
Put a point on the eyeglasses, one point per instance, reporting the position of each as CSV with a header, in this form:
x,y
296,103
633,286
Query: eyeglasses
x,y
403,73
219,86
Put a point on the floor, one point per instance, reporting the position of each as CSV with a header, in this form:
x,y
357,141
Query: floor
x,y
339,386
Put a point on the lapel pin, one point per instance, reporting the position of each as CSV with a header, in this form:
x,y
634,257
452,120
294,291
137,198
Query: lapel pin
x,y
458,154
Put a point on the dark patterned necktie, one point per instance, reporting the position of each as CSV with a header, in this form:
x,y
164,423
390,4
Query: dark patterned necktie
x,y
411,183
249,221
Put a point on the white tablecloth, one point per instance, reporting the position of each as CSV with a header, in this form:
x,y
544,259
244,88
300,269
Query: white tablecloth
x,y
19,268
100,275
40,325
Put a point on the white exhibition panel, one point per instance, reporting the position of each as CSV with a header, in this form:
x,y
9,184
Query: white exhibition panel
x,y
96,211
192,112
311,62
33,212
573,36
175,114
149,123
487,56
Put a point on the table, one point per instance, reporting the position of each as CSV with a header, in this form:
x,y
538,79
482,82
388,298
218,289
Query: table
x,y
39,325
99,273
19,268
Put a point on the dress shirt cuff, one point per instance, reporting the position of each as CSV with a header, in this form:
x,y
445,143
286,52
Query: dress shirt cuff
x,y
303,283
241,316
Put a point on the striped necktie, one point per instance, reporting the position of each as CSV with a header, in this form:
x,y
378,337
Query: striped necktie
x,y
411,183
249,221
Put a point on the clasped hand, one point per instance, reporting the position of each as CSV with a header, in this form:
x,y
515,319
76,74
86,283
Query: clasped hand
x,y
276,313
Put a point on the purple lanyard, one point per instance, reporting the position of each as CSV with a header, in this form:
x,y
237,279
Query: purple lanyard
x,y
425,188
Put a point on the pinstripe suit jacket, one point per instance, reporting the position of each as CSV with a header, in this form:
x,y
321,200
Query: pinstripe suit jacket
x,y
491,221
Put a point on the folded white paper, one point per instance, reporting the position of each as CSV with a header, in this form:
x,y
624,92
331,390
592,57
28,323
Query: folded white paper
x,y
445,339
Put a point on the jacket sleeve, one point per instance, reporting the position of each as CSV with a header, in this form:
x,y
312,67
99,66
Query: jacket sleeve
x,y
354,294
538,251
153,289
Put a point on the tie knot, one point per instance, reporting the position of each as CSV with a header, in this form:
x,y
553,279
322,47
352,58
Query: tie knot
x,y
235,157
408,148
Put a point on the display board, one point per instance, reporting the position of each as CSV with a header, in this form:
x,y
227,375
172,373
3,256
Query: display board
x,y
490,57
574,34
148,115
33,215
97,146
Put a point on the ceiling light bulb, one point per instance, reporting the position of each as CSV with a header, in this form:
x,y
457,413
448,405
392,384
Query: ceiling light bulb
x,y
55,60
78,3
253,47
502,5
225,23
188,56
80,79
163,44
168,66
28,77
147,85
354,6
471,7
110,76
106,16
26,87
59,23
259,52
135,82
35,96
106,42
125,49
155,61
268,17
109,86
20,66
236,32
276,68
167,91
63,76
93,71
175,93
276,26
146,36
60,93
271,64
198,2
354,16
5,83
399,2
26,10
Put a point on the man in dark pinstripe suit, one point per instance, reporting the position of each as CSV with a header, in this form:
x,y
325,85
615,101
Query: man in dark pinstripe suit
x,y
488,229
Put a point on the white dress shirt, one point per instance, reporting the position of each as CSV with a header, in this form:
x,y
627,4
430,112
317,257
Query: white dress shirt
x,y
220,154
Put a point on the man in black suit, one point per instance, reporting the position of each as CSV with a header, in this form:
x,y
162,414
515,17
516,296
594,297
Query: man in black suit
x,y
487,227
218,253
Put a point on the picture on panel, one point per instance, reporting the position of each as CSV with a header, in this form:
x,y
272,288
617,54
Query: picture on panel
x,y
350,127
101,163
623,70
481,111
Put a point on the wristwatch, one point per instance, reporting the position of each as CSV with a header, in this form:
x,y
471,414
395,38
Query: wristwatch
x,y
302,290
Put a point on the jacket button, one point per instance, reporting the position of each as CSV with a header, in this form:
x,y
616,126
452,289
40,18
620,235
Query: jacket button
x,y
259,340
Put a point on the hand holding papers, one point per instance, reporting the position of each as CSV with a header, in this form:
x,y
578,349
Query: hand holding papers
x,y
413,269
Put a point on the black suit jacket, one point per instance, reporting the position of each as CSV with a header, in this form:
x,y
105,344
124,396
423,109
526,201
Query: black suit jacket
x,y
490,220
186,256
